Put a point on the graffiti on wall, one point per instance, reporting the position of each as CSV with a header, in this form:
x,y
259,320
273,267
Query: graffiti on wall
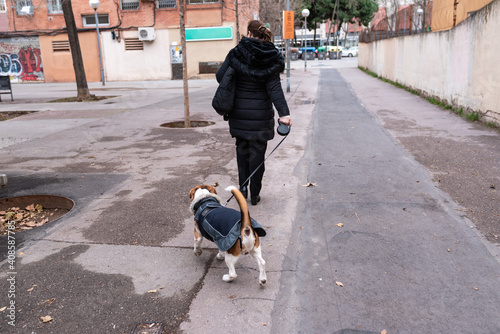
x,y
20,58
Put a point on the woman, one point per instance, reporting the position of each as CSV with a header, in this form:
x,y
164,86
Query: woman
x,y
258,65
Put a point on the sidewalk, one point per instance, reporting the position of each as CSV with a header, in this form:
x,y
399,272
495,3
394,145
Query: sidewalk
x,y
124,255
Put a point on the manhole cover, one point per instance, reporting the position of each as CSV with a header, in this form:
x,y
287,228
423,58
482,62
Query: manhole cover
x,y
147,328
180,124
24,213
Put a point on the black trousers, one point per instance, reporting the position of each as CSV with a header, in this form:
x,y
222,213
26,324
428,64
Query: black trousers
x,y
249,155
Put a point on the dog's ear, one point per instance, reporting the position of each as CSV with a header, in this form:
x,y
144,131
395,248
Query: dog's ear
x,y
191,193
211,189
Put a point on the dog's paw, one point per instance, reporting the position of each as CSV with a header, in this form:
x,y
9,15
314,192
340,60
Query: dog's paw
x,y
220,256
198,251
227,278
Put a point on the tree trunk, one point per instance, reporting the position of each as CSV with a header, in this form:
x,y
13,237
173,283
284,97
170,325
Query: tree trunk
x,y
182,26
76,53
237,21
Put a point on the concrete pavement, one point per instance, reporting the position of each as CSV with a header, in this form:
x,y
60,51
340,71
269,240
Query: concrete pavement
x,y
124,254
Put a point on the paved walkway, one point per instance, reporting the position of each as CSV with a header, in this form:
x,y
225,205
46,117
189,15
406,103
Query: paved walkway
x,y
124,254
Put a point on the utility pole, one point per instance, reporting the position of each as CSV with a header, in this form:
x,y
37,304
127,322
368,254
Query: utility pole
x,y
287,54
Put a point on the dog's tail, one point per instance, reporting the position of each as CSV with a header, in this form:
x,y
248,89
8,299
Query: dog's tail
x,y
246,223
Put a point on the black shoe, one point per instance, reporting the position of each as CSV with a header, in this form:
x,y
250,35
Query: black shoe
x,y
244,191
255,200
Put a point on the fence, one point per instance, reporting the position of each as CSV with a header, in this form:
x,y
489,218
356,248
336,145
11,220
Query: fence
x,y
408,20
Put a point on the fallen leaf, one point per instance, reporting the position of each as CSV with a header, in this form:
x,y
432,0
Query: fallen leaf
x,y
340,225
449,250
339,284
475,288
21,253
31,224
383,332
49,301
47,318
31,207
232,296
31,289
309,185
152,291
264,324
38,208
3,308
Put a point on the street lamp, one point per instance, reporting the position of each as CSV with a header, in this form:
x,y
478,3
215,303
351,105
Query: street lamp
x,y
94,4
419,13
305,14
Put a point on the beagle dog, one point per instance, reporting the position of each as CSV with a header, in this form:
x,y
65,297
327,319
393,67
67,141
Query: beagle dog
x,y
234,232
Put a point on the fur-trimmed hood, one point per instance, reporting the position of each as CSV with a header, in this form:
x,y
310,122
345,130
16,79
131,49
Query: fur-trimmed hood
x,y
195,202
256,59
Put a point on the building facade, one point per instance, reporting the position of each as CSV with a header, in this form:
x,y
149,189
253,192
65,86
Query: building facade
x,y
140,39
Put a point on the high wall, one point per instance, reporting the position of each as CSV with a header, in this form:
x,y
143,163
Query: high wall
x,y
460,65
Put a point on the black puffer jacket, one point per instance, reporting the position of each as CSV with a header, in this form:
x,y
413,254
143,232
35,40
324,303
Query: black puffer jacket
x,y
258,66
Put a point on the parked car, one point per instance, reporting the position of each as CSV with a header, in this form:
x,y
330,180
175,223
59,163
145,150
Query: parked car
x,y
350,52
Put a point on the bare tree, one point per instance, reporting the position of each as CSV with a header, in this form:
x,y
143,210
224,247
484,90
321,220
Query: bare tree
x,y
76,53
182,26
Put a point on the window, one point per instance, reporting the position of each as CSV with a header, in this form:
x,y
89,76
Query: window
x,y
167,3
89,20
133,44
54,6
196,2
3,6
129,4
24,7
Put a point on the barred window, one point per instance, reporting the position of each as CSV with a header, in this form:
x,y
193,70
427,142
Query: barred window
x,y
129,4
24,7
54,6
167,4
196,2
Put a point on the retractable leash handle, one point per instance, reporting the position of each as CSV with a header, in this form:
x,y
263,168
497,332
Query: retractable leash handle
x,y
283,130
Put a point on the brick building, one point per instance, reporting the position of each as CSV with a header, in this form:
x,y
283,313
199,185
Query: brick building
x,y
140,39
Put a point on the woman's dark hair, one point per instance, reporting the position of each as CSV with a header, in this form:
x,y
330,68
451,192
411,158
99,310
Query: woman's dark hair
x,y
259,31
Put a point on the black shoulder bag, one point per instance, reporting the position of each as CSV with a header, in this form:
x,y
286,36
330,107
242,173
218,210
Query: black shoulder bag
x,y
223,100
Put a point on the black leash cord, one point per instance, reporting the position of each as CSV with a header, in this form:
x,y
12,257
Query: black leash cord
x,y
256,169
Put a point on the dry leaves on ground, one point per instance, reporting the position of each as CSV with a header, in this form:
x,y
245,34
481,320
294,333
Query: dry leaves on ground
x,y
47,318
34,215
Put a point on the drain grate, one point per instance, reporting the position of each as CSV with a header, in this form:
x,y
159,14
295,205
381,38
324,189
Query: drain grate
x,y
147,328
